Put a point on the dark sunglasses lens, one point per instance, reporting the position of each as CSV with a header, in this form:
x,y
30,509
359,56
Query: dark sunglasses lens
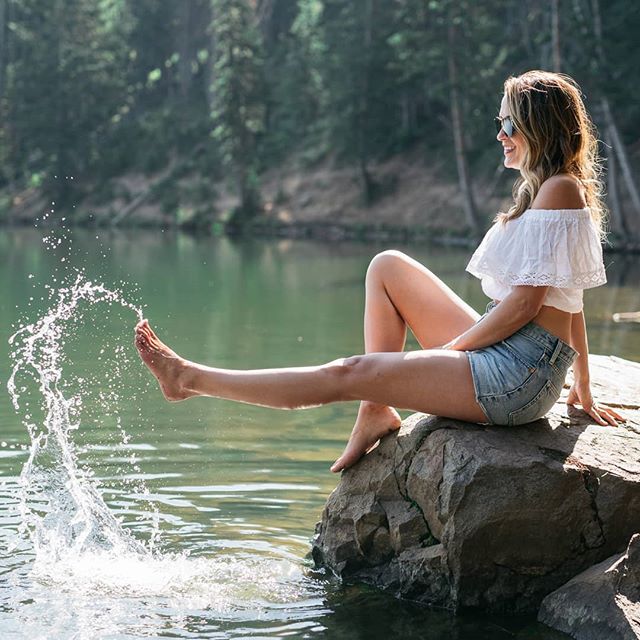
x,y
507,125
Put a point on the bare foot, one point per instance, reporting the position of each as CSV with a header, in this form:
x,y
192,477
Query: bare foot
x,y
166,365
373,422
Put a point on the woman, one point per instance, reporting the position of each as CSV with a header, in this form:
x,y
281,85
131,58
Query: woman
x,y
507,367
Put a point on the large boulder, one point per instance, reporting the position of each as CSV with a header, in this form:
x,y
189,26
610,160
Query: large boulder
x,y
601,602
461,515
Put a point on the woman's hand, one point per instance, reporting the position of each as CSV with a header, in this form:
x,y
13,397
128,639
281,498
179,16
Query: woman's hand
x,y
580,393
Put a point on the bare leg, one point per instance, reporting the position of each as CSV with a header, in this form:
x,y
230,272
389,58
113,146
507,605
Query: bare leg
x,y
433,381
401,292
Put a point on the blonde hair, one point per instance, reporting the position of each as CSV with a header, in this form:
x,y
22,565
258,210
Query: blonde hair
x,y
547,110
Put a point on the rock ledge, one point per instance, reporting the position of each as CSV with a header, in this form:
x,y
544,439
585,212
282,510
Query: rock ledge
x,y
460,515
601,602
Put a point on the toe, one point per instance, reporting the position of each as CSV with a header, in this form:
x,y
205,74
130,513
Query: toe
x,y
344,461
141,341
145,330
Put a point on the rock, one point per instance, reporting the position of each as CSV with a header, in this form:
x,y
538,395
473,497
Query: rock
x,y
461,515
601,602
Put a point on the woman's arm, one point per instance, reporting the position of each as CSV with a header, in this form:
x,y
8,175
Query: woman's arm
x,y
517,308
579,343
580,392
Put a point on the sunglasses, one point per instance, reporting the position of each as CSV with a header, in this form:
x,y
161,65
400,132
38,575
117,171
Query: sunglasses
x,y
506,124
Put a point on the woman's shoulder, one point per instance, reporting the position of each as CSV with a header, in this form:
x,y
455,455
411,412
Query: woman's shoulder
x,y
562,191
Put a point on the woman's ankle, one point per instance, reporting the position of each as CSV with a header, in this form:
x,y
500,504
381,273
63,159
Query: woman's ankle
x,y
373,407
188,374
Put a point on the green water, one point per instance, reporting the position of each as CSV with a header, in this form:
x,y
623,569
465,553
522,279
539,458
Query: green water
x,y
229,480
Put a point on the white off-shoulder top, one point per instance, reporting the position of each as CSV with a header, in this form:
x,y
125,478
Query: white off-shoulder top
x,y
558,248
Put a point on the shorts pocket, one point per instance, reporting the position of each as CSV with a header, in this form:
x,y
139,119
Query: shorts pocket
x,y
537,407
524,350
559,369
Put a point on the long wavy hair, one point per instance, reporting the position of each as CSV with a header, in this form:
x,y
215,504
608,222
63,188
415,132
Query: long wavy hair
x,y
548,111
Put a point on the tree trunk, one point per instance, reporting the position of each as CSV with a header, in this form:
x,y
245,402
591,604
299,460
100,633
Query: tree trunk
x,y
249,196
405,122
9,131
209,73
618,225
497,175
367,185
184,50
525,17
621,155
264,13
143,196
555,36
3,49
612,132
366,180
464,179
597,30
59,186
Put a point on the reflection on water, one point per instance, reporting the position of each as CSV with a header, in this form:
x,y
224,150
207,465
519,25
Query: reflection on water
x,y
237,489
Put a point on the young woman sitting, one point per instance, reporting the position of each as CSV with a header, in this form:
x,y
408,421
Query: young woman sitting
x,y
507,367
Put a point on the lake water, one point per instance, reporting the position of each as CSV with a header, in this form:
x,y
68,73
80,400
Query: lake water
x,y
224,497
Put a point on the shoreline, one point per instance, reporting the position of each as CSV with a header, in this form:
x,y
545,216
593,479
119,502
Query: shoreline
x,y
318,231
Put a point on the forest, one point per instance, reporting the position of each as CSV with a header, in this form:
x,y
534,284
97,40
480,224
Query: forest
x,y
201,99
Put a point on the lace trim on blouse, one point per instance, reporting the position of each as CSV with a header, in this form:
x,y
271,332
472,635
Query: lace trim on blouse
x,y
543,247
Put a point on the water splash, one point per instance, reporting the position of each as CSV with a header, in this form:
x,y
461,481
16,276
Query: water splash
x,y
61,507
80,546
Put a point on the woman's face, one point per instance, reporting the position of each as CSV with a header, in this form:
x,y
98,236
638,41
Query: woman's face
x,y
513,147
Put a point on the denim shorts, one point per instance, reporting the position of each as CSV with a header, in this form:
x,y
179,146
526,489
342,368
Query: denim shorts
x,y
518,379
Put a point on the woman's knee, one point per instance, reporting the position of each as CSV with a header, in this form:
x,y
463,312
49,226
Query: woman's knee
x,y
386,261
347,373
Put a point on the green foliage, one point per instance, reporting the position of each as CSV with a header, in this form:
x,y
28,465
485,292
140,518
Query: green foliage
x,y
97,88
237,106
64,82
361,110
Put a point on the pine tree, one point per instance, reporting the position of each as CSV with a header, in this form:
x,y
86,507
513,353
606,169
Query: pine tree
x,y
237,90
63,85
361,111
